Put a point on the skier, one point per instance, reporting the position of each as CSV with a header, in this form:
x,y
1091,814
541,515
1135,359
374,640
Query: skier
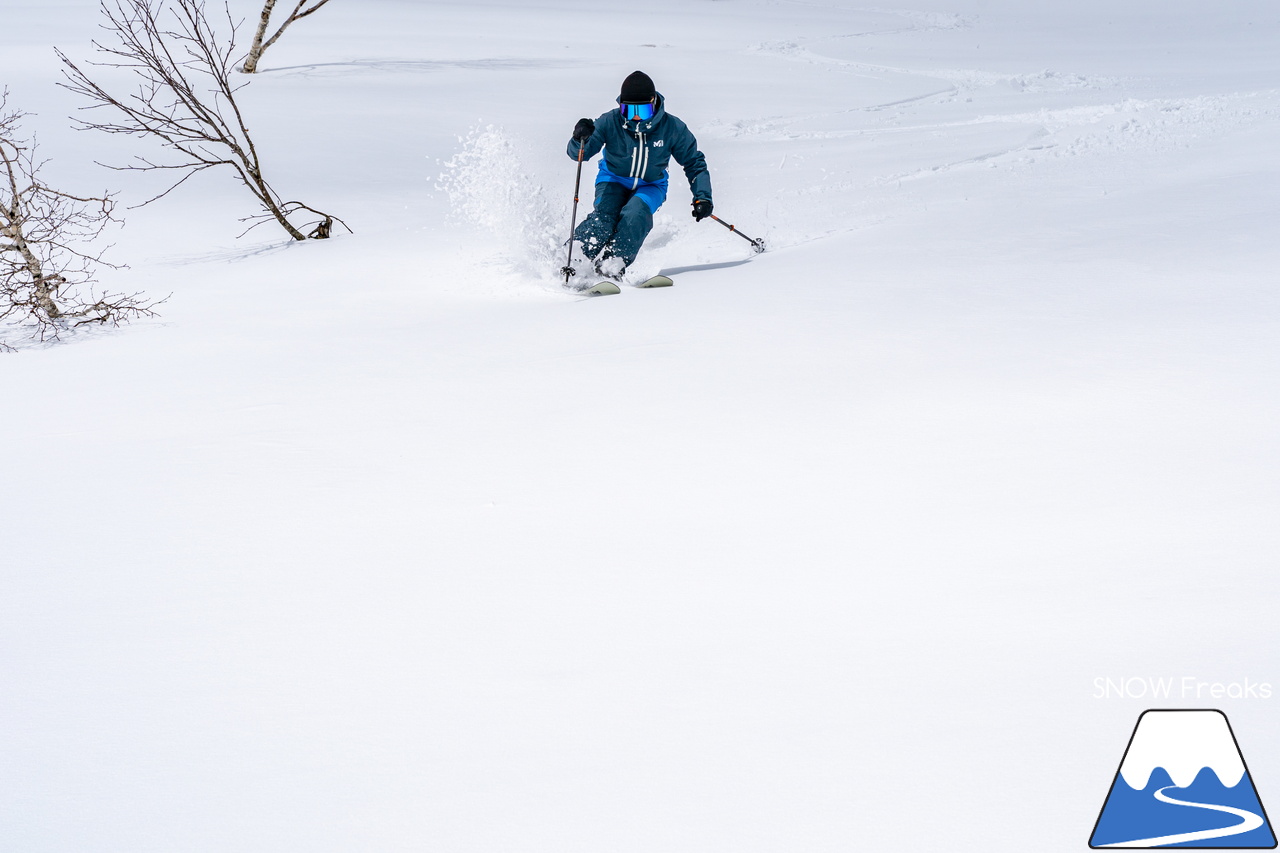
x,y
638,139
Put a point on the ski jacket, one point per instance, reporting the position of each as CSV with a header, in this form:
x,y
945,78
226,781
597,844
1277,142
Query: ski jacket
x,y
637,153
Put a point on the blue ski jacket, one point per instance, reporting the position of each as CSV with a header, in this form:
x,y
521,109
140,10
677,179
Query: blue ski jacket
x,y
637,153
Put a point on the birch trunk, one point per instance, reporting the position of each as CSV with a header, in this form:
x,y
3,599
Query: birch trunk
x,y
255,52
11,219
259,45
44,293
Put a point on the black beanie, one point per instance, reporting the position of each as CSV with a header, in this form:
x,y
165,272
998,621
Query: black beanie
x,y
638,88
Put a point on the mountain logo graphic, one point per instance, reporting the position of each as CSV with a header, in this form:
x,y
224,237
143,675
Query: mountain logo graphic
x,y
1183,783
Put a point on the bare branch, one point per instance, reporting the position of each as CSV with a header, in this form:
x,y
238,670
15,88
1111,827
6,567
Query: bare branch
x,y
51,253
323,227
184,98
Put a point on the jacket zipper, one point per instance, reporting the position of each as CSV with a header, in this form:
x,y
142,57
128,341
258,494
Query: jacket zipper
x,y
641,156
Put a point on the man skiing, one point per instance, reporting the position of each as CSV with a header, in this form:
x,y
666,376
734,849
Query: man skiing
x,y
638,138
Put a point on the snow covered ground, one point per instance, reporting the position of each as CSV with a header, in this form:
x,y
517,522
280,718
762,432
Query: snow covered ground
x,y
388,543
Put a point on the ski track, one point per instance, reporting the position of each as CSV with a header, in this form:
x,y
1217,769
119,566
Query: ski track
x,y
920,21
1109,127
1044,81
1086,116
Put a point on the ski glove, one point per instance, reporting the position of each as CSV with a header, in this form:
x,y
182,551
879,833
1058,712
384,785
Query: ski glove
x,y
583,129
701,210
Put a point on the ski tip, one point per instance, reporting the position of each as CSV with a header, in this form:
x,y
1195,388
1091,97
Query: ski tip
x,y
657,281
604,288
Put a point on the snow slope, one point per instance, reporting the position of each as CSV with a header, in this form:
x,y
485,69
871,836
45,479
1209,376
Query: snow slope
x,y
388,543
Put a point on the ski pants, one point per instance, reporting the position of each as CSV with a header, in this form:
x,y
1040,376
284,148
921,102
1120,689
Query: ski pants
x,y
617,226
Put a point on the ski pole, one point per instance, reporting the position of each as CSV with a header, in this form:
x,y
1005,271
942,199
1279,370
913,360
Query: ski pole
x,y
758,245
577,184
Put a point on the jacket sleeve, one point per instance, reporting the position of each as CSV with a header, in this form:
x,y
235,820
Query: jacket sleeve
x,y
686,153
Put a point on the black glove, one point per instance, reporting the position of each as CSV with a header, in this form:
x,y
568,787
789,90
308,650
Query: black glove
x,y
701,210
583,129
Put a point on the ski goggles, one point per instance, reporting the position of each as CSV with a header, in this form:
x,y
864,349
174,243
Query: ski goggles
x,y
634,112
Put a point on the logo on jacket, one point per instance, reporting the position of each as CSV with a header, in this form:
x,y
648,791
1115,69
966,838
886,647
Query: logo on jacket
x,y
658,144
1182,782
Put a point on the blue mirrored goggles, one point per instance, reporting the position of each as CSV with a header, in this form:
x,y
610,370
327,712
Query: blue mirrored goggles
x,y
632,112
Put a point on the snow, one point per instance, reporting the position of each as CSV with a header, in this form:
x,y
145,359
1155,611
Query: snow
x,y
388,543
1183,743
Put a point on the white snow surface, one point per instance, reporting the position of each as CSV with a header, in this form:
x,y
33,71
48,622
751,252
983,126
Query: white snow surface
x,y
388,543
1183,743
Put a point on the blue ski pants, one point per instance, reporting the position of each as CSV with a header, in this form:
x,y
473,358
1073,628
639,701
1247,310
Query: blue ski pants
x,y
617,226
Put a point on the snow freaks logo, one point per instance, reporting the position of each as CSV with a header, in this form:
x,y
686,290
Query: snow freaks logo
x,y
1186,687
1183,783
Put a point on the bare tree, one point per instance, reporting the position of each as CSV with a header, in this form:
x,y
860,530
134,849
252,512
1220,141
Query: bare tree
x,y
184,100
259,46
49,250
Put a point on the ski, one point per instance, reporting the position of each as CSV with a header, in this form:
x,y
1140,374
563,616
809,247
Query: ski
x,y
657,281
604,288
609,288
